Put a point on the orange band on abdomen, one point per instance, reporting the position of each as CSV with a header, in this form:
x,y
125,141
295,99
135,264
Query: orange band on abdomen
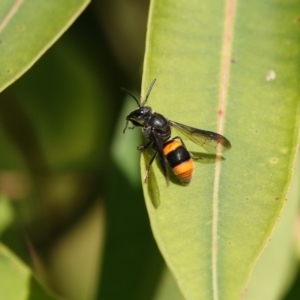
x,y
184,171
171,147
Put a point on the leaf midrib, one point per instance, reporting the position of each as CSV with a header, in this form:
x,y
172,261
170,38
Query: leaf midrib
x,y
229,19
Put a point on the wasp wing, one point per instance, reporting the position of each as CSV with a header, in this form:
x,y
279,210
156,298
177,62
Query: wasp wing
x,y
210,141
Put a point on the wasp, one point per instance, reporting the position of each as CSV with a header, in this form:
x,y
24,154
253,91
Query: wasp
x,y
171,151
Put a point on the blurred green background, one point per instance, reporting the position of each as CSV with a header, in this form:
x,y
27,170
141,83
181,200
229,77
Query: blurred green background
x,y
71,176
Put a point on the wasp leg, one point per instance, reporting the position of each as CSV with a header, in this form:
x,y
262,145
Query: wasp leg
x,y
143,147
149,166
158,143
126,127
195,157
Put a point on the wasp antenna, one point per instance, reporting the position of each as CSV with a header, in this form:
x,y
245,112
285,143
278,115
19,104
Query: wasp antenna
x,y
149,91
130,94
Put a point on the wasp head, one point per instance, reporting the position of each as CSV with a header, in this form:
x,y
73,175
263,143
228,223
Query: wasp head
x,y
139,117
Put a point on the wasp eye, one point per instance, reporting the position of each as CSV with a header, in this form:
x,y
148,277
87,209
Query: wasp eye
x,y
141,112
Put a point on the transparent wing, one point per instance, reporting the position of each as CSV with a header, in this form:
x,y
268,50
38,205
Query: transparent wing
x,y
210,141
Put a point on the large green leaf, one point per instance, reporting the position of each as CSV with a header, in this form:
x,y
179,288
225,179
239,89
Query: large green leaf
x,y
28,29
232,68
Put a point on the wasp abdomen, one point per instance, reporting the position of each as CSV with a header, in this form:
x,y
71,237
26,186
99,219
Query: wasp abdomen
x,y
179,160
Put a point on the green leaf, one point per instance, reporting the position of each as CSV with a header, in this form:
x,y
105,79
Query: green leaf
x,y
28,29
231,68
17,281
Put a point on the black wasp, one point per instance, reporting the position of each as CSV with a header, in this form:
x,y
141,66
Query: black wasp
x,y
157,130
